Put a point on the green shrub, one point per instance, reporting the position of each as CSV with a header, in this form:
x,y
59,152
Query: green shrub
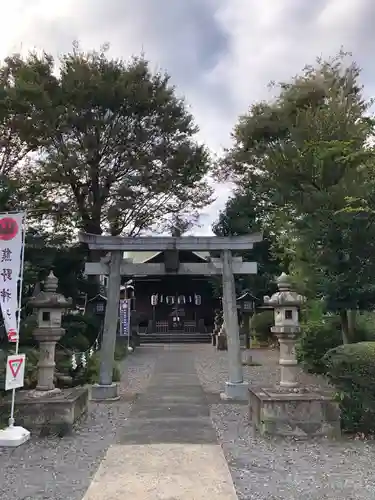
x,y
81,331
320,335
261,324
121,350
90,374
316,338
351,369
365,327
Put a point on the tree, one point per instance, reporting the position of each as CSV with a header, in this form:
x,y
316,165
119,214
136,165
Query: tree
x,y
21,133
244,213
44,251
120,154
309,153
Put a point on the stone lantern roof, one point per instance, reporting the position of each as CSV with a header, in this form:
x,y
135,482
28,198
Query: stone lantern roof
x,y
49,298
285,297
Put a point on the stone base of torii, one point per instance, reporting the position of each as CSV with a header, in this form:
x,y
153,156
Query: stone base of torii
x,y
115,266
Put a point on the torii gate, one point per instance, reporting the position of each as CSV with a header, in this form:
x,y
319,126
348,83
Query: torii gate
x,y
115,266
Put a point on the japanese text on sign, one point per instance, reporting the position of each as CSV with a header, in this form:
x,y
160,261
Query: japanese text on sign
x,y
11,242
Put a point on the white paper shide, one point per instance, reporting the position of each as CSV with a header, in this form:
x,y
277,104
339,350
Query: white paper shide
x,y
11,241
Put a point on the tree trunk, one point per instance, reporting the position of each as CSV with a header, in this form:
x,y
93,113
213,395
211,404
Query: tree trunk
x,y
344,326
94,255
352,318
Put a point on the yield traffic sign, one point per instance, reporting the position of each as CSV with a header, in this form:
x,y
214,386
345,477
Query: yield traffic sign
x,y
15,371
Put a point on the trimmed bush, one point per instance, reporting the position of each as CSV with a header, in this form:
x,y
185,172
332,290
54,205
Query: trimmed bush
x,y
351,369
317,337
261,324
90,375
365,327
81,331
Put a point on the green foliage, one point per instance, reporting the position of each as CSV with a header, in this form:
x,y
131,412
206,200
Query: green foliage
x,y
121,351
81,331
246,213
45,252
261,324
320,333
91,373
365,326
27,327
306,154
351,369
317,337
119,152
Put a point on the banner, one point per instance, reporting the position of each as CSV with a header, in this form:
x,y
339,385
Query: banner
x,y
125,317
11,243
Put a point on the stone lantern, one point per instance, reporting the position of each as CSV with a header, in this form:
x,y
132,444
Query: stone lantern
x,y
286,304
284,409
50,307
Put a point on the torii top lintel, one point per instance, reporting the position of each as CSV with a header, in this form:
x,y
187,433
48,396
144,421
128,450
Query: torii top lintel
x,y
160,243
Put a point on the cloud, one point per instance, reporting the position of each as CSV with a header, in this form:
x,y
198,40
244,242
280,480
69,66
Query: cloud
x,y
221,54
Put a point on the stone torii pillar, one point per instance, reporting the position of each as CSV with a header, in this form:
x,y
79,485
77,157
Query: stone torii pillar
x,y
235,387
106,389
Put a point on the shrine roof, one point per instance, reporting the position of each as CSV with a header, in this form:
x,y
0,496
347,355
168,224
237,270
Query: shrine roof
x,y
143,257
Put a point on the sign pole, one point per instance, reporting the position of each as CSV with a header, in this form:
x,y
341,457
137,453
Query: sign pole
x,y
20,285
128,303
13,436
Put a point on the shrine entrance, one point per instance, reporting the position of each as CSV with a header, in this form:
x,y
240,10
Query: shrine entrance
x,y
115,266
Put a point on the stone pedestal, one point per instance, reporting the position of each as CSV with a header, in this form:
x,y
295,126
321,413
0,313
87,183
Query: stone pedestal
x,y
105,392
236,391
50,412
281,412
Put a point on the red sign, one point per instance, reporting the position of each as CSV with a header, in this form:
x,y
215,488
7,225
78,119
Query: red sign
x,y
12,336
8,228
15,365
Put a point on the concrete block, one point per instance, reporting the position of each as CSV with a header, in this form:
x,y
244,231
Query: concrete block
x,y
280,412
105,392
50,412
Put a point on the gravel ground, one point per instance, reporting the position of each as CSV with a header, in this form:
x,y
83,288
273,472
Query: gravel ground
x,y
277,469
61,469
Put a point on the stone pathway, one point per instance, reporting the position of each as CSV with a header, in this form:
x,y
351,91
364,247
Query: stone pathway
x,y
167,448
282,469
126,447
62,469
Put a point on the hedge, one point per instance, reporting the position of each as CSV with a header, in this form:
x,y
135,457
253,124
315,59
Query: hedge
x,y
351,369
317,337
261,324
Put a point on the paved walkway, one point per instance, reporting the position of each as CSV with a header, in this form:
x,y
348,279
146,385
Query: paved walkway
x,y
168,448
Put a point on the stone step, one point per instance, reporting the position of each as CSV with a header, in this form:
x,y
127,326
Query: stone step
x,y
176,338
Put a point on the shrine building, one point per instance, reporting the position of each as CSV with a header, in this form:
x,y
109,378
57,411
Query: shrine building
x,y
172,304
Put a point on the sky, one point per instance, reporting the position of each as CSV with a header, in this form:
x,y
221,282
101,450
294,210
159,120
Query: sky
x,y
221,54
